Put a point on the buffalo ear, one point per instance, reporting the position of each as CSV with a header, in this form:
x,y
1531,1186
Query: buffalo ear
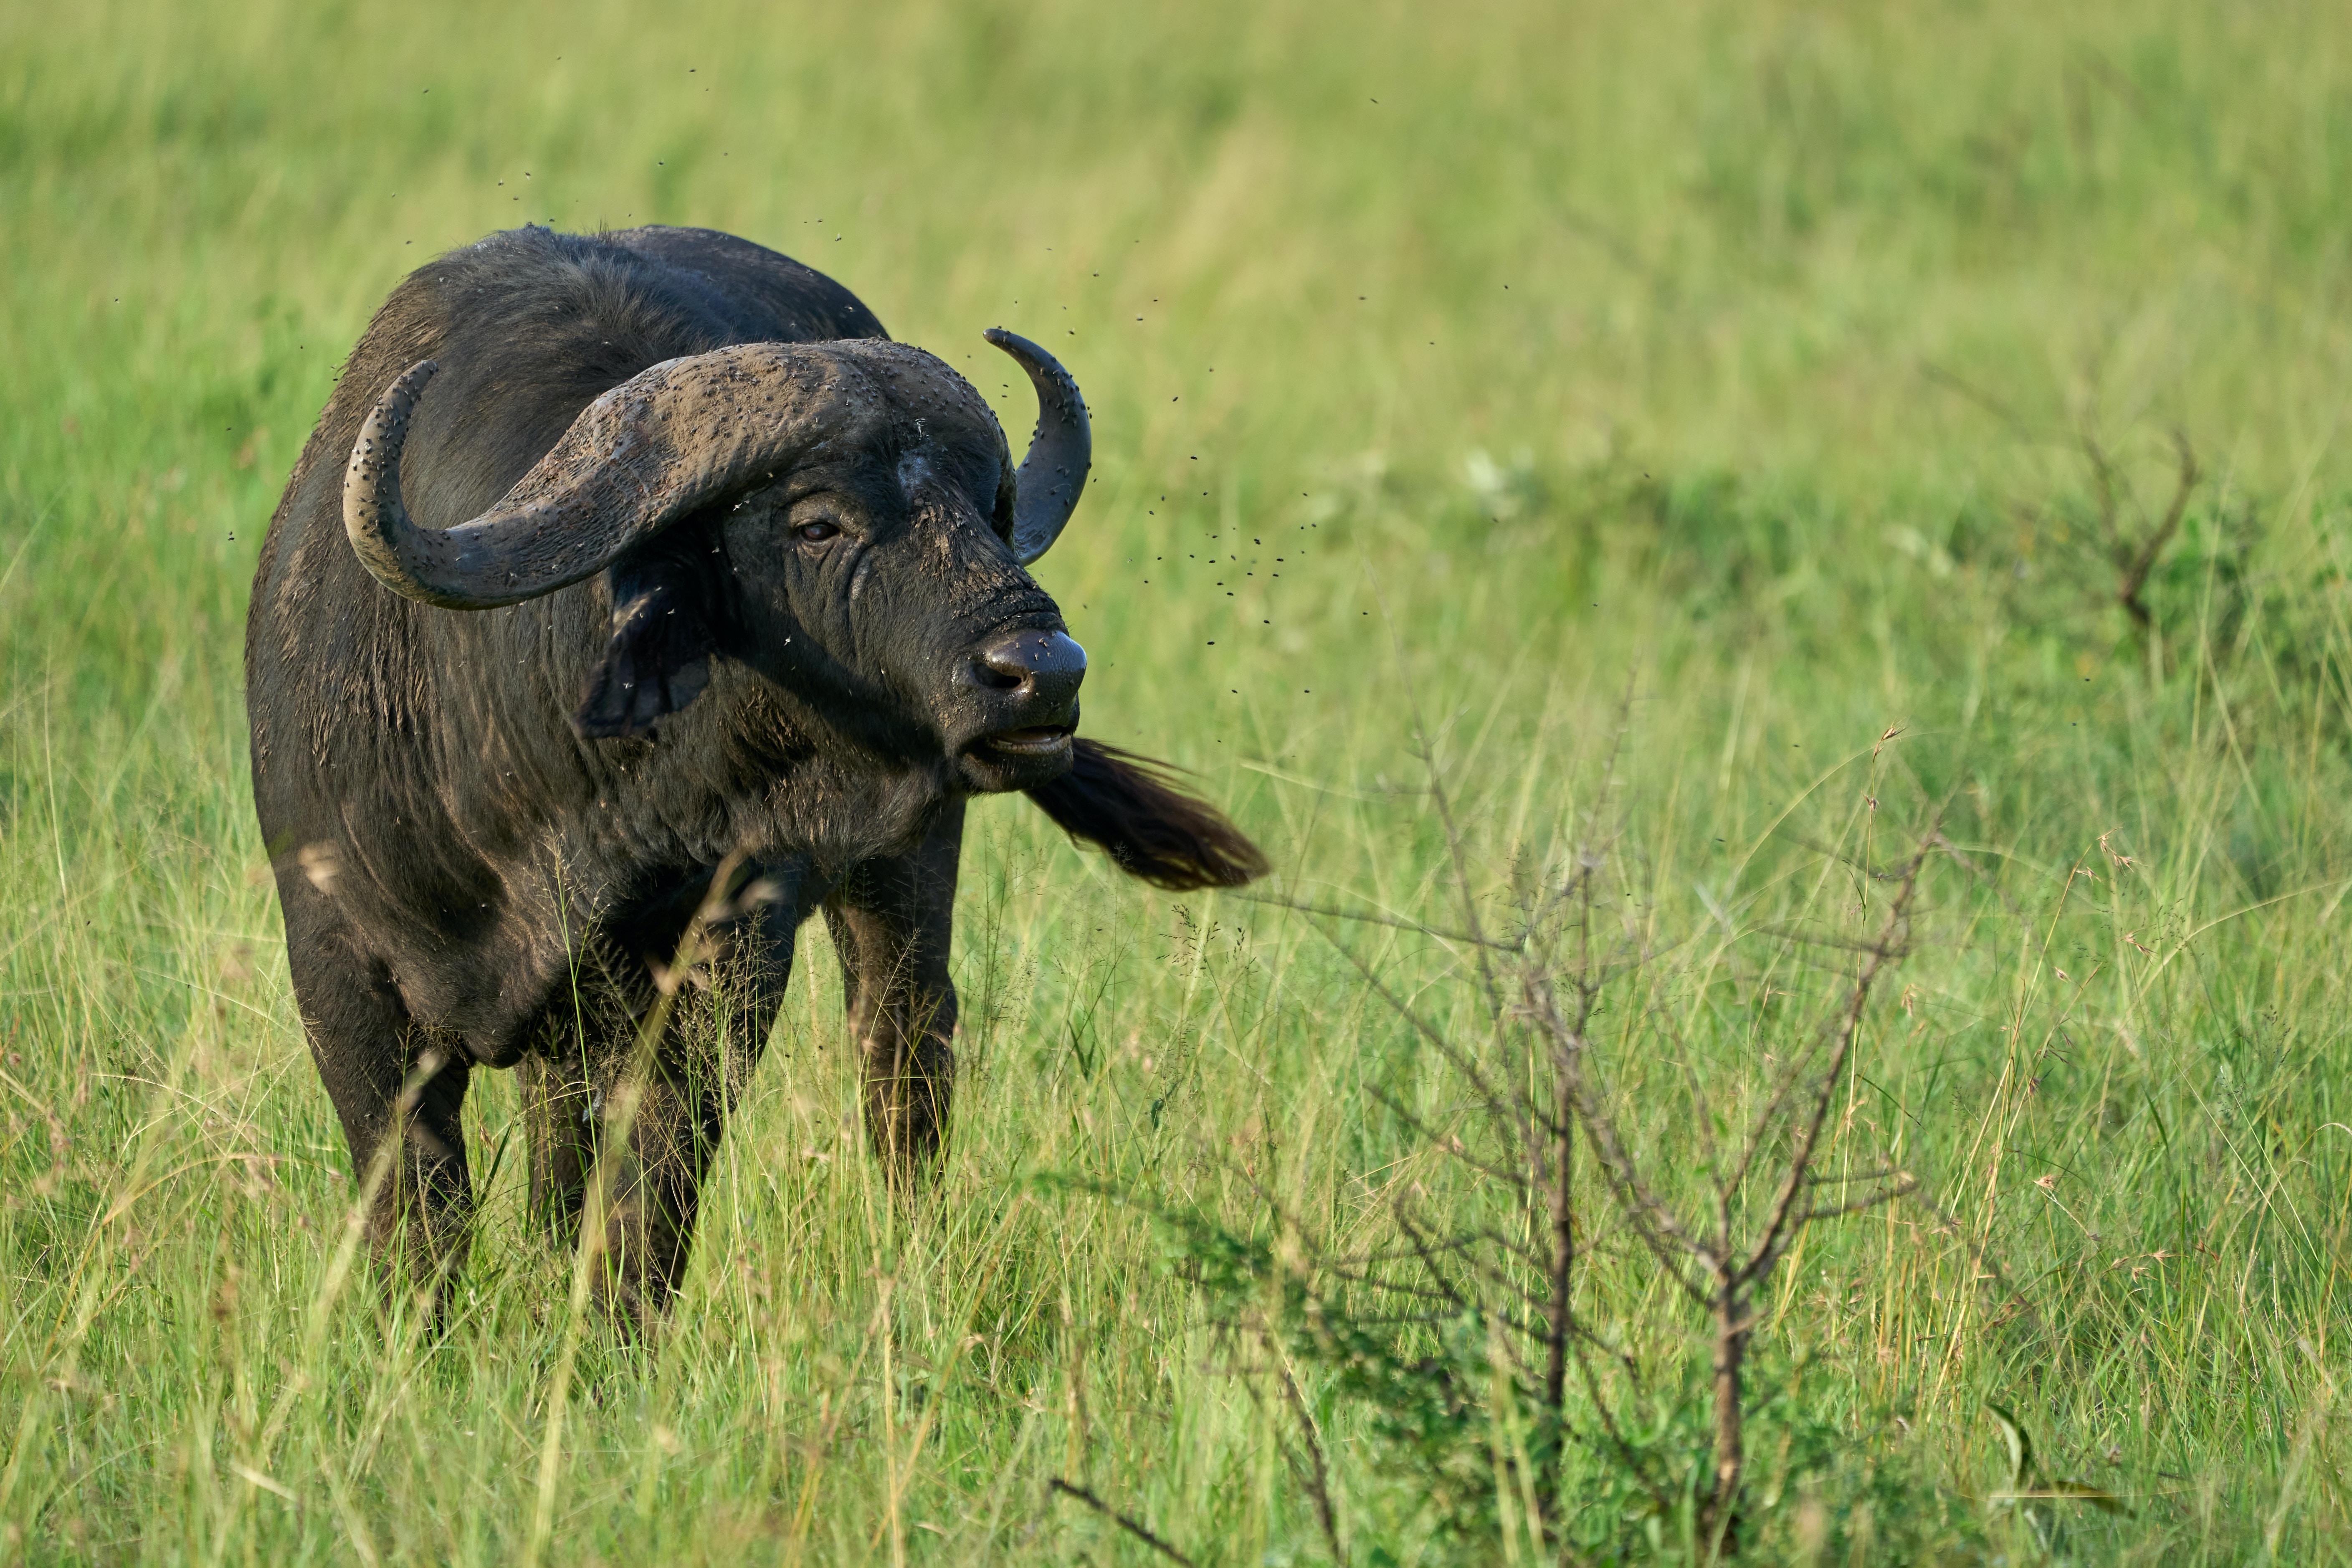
x,y
1151,830
657,649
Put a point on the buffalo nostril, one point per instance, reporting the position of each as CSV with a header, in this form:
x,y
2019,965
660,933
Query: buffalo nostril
x,y
1001,667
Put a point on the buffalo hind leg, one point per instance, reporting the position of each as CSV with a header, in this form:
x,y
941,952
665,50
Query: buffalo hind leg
x,y
892,920
422,1217
398,1094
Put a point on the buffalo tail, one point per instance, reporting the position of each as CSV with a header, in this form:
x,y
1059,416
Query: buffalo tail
x,y
1151,829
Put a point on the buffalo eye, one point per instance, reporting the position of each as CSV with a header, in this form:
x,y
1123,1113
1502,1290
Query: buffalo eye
x,y
815,532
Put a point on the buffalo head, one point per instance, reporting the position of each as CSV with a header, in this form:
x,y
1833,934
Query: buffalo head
x,y
841,518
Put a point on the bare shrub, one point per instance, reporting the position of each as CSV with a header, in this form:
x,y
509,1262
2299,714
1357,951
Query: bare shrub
x,y
1461,1340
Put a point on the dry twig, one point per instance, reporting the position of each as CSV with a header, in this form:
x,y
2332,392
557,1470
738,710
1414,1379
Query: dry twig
x,y
1133,1527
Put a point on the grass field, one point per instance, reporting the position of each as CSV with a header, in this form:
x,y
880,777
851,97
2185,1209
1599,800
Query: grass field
x,y
1627,413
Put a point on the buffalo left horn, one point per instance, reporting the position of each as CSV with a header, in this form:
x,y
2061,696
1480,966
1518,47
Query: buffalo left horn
x,y
1060,452
669,440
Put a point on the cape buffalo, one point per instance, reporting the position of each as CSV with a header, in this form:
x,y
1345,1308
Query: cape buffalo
x,y
635,597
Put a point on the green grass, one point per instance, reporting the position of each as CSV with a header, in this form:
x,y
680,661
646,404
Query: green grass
x,y
1740,353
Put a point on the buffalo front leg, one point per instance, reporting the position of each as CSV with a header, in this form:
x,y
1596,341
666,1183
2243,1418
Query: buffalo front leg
x,y
626,1130
892,920
556,1096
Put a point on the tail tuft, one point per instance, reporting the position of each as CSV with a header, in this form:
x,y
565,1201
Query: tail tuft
x,y
1151,829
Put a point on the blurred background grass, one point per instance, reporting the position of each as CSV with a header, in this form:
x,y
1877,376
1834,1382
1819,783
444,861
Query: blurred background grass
x,y
1743,357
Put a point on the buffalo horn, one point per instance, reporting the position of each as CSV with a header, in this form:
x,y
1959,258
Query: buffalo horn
x,y
669,440
1060,452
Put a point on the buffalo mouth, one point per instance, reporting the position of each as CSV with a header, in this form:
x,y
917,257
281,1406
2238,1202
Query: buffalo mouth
x,y
1034,742
1017,758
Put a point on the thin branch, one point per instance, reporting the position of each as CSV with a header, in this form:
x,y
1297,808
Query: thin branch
x,y
1796,938
1830,852
1318,1479
1364,917
1463,1246
1879,951
1991,884
2136,570
1902,1188
1889,1172
1414,1123
1931,371
1659,1231
1461,866
1358,1269
1588,861
1559,1319
2103,475
1981,1261
1414,1237
1533,1258
1768,1121
1579,881
1509,1112
1701,1109
1768,1245
1454,1054
1636,1462
1131,1526
1543,1006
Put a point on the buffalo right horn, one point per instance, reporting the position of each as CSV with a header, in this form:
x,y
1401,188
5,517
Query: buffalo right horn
x,y
1046,492
669,440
